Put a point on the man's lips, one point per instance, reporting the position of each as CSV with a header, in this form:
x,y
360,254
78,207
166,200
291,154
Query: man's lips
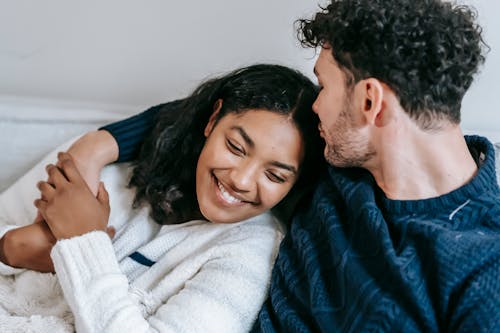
x,y
321,132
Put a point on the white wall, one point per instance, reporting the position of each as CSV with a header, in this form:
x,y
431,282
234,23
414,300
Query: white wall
x,y
132,54
480,108
136,53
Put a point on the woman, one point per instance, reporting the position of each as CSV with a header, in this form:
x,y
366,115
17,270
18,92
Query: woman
x,y
234,149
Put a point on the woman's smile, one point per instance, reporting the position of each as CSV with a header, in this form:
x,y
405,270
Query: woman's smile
x,y
227,196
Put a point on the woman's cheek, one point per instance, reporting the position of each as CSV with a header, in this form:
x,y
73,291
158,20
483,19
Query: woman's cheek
x,y
272,193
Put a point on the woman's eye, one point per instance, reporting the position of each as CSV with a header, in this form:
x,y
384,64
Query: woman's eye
x,y
275,178
234,148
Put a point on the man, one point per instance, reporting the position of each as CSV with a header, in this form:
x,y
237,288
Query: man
x,y
412,245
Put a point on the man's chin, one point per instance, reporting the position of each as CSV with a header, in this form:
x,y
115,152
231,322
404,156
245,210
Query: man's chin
x,y
336,159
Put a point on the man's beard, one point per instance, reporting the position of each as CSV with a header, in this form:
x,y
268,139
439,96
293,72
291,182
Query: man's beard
x,y
346,147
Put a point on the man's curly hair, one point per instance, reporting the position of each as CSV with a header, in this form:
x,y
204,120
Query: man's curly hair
x,y
427,51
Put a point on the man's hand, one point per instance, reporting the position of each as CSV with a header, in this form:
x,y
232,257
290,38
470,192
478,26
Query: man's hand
x,y
68,205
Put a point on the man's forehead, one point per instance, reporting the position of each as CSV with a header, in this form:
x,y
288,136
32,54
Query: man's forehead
x,y
325,58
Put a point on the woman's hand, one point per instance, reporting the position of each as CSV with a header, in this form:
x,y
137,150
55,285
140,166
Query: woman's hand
x,y
92,152
68,205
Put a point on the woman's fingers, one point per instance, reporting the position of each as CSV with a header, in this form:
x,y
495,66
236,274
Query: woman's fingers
x,y
46,190
41,205
38,218
56,176
111,231
66,163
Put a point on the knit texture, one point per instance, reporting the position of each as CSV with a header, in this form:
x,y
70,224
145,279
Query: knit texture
x,y
355,261
136,126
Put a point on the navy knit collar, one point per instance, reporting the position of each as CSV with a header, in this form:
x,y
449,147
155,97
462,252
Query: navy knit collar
x,y
358,187
484,181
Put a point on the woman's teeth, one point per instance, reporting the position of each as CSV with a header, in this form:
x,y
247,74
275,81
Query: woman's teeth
x,y
228,197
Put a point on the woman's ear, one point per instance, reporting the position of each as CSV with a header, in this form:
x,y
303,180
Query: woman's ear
x,y
213,117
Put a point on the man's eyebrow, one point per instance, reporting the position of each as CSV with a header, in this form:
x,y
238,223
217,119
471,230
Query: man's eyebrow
x,y
244,135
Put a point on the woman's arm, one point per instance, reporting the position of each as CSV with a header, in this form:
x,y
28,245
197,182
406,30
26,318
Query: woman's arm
x,y
24,245
117,142
222,292
29,246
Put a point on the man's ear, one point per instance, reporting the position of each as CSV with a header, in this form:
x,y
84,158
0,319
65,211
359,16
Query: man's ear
x,y
373,101
213,117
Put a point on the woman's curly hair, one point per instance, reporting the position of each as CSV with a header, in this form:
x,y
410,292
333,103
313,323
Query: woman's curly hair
x,y
164,174
427,51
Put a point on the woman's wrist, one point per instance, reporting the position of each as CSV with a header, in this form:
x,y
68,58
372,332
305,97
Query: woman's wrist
x,y
97,148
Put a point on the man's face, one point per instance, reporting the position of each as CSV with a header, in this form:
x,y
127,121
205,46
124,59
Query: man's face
x,y
347,144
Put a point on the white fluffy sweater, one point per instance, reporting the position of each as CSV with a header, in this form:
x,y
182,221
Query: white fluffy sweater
x,y
191,277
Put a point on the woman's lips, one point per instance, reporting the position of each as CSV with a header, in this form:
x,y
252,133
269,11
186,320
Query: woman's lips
x,y
225,197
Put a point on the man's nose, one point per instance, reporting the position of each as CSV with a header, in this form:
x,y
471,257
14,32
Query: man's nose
x,y
315,106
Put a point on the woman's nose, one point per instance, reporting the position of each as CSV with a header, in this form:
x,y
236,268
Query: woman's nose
x,y
243,177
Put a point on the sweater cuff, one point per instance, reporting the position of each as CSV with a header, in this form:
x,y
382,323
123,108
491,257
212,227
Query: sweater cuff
x,y
81,259
131,132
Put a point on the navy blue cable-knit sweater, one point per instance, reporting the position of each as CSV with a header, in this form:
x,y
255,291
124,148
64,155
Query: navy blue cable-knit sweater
x,y
356,261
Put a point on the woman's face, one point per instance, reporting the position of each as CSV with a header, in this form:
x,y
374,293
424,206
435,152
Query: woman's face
x,y
250,161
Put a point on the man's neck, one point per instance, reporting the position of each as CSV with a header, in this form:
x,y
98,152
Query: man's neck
x,y
421,165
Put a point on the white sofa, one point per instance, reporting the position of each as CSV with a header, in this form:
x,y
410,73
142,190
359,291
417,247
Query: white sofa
x,y
30,129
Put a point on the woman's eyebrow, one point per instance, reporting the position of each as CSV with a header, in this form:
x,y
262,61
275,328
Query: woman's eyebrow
x,y
244,135
250,142
284,166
